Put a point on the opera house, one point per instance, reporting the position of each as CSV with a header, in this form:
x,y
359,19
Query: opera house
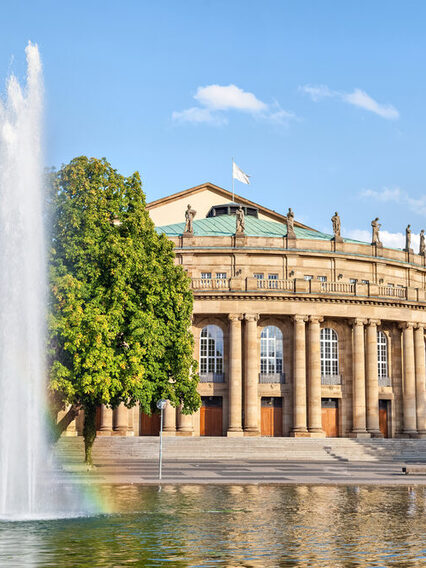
x,y
297,332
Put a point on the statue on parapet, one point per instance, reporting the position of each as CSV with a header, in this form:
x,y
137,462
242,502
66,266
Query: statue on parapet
x,y
422,247
189,218
336,227
240,221
290,224
375,240
408,239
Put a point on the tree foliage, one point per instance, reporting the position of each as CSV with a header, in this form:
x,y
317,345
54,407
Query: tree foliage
x,y
120,309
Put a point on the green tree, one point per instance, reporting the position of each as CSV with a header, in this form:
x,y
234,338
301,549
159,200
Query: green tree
x,y
120,309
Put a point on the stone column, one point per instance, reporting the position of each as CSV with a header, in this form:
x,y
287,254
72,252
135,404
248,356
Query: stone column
x,y
185,424
358,381
314,387
106,421
251,403
169,426
121,420
419,347
372,380
299,374
409,381
235,379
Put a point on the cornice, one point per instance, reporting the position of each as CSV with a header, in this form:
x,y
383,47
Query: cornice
x,y
282,298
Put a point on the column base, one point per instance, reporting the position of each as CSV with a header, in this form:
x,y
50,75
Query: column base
x,y
251,432
184,433
421,434
376,433
410,433
122,433
235,433
316,433
359,434
168,433
299,433
67,434
104,433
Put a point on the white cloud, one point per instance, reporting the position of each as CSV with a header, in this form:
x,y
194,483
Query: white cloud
x,y
230,97
357,98
391,240
216,100
385,195
198,115
397,195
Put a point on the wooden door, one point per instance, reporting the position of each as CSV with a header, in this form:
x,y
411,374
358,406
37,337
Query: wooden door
x,y
330,417
150,424
383,417
271,416
211,416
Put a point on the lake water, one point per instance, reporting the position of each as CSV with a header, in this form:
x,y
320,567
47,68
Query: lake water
x,y
231,526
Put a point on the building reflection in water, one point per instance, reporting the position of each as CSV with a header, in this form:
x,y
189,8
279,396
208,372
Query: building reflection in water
x,y
233,526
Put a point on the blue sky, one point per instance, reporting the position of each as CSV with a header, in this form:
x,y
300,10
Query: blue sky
x,y
321,102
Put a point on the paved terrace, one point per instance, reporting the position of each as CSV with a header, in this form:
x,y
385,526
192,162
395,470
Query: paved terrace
x,y
253,461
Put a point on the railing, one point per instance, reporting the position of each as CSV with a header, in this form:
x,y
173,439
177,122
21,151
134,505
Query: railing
x,y
339,287
264,284
393,292
212,377
300,286
331,379
210,283
385,382
268,378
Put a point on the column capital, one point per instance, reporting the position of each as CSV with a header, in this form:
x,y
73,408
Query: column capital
x,y
297,318
251,317
316,319
418,326
358,322
235,317
406,325
374,322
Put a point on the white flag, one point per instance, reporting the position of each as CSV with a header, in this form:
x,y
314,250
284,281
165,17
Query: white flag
x,y
239,174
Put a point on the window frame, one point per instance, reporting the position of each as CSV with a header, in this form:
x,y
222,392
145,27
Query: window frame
x,y
211,351
329,352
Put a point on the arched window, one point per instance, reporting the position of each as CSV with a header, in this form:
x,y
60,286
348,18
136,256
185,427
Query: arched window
x,y
382,355
271,352
211,354
329,353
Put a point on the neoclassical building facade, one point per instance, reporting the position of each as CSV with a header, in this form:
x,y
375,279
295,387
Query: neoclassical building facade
x,y
297,333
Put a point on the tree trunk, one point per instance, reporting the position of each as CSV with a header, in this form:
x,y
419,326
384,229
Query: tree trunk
x,y
57,428
89,433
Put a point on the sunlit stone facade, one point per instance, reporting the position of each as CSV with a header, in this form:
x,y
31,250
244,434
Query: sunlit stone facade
x,y
309,336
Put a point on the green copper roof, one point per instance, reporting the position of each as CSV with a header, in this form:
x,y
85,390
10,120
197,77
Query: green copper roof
x,y
224,226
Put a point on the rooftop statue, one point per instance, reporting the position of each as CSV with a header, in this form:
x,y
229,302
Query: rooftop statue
x,y
422,242
375,240
189,217
336,225
290,224
240,225
408,239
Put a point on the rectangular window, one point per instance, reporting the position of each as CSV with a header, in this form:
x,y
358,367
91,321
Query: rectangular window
x,y
220,275
308,277
322,278
353,280
391,284
206,275
365,281
258,275
272,280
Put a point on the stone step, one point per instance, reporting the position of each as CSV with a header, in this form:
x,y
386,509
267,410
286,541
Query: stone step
x,y
247,448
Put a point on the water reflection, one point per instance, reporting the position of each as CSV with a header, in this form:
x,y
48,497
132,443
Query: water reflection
x,y
232,526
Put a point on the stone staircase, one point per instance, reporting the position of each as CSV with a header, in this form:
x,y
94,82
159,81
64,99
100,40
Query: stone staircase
x,y
116,449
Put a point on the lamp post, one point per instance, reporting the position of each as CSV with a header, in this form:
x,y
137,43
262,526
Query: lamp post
x,y
161,405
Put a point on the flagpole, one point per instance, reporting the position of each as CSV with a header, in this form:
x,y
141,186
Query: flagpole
x,y
233,180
